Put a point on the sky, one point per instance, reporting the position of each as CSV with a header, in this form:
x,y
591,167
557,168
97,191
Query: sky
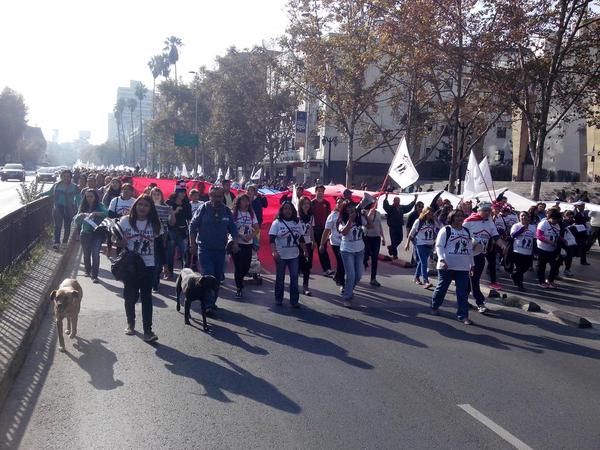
x,y
67,57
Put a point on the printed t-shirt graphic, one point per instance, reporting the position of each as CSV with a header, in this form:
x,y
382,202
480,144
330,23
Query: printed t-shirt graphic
x,y
285,242
244,223
141,241
121,207
353,241
482,231
523,243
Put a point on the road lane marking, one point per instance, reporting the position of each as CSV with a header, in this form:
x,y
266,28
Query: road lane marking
x,y
504,434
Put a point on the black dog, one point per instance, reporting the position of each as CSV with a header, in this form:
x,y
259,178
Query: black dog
x,y
196,287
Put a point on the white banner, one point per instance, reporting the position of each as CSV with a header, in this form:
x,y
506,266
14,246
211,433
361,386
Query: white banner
x,y
471,177
484,181
402,169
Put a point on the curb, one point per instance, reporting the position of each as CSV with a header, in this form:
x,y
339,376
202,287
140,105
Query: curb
x,y
567,318
16,357
557,315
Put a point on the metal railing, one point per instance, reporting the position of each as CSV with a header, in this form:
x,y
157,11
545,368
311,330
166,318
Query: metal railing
x,y
23,228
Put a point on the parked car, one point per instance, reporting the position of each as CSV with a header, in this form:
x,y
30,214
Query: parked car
x,y
13,172
46,174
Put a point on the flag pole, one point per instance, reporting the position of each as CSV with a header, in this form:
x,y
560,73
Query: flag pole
x,y
485,184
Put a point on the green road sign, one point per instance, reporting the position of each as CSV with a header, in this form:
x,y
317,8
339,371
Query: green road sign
x,y
186,140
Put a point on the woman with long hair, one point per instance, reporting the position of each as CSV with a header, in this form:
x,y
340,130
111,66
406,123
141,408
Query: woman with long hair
x,y
549,237
350,225
307,223
423,234
113,190
178,233
140,230
166,215
373,238
91,213
66,197
332,234
247,226
285,237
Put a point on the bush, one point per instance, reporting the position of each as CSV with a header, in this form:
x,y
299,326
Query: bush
x,y
28,194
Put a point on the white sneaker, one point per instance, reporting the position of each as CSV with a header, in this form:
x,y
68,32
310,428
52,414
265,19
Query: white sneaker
x,y
482,309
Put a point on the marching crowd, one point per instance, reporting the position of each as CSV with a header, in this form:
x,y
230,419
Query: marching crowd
x,y
201,229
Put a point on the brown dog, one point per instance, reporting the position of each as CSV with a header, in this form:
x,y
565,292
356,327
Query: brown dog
x,y
67,302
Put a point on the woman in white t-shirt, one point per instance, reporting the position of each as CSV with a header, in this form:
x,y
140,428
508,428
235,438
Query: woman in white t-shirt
x,y
307,223
285,237
422,234
522,235
454,247
121,205
352,247
548,239
140,229
332,234
570,242
247,226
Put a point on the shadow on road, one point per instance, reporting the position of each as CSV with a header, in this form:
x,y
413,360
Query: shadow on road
x,y
218,380
317,346
98,361
17,413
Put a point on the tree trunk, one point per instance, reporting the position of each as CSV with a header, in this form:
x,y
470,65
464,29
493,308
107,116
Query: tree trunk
x,y
538,164
350,158
455,160
141,134
132,139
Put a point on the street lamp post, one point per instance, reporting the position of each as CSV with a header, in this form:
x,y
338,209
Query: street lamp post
x,y
196,129
329,140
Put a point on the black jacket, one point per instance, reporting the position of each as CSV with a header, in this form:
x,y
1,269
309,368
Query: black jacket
x,y
395,215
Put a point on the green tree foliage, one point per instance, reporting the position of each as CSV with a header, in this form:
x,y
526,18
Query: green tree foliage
x,y
171,49
13,122
103,154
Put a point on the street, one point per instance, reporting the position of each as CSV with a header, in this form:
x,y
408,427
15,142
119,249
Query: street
x,y
9,198
383,375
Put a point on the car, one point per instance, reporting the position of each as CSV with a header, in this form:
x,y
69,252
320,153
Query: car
x,y
45,174
13,172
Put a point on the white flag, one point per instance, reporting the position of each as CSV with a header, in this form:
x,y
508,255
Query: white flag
x,y
228,174
402,169
184,171
158,174
220,174
484,181
471,177
295,199
256,175
193,174
199,170
177,172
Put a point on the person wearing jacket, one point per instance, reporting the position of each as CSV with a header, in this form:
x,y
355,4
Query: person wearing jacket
x,y
91,213
209,229
581,218
66,197
454,248
258,202
395,219
321,210
178,233
570,244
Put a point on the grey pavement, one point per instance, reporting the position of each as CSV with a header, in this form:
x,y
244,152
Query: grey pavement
x,y
383,375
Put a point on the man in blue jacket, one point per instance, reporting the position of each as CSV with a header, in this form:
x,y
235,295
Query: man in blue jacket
x,y
209,228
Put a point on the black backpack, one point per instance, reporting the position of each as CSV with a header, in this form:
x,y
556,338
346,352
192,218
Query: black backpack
x,y
128,267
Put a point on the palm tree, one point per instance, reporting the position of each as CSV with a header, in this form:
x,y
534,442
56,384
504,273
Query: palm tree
x,y
132,104
140,93
172,45
157,65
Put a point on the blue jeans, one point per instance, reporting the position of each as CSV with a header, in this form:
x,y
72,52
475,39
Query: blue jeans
x,y
292,265
91,243
353,266
180,241
445,277
423,253
212,262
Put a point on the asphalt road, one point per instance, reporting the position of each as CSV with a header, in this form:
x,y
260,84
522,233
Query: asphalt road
x,y
9,198
384,375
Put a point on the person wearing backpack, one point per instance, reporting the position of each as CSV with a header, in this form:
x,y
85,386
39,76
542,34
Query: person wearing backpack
x,y
91,213
522,235
454,249
422,234
140,229
121,205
